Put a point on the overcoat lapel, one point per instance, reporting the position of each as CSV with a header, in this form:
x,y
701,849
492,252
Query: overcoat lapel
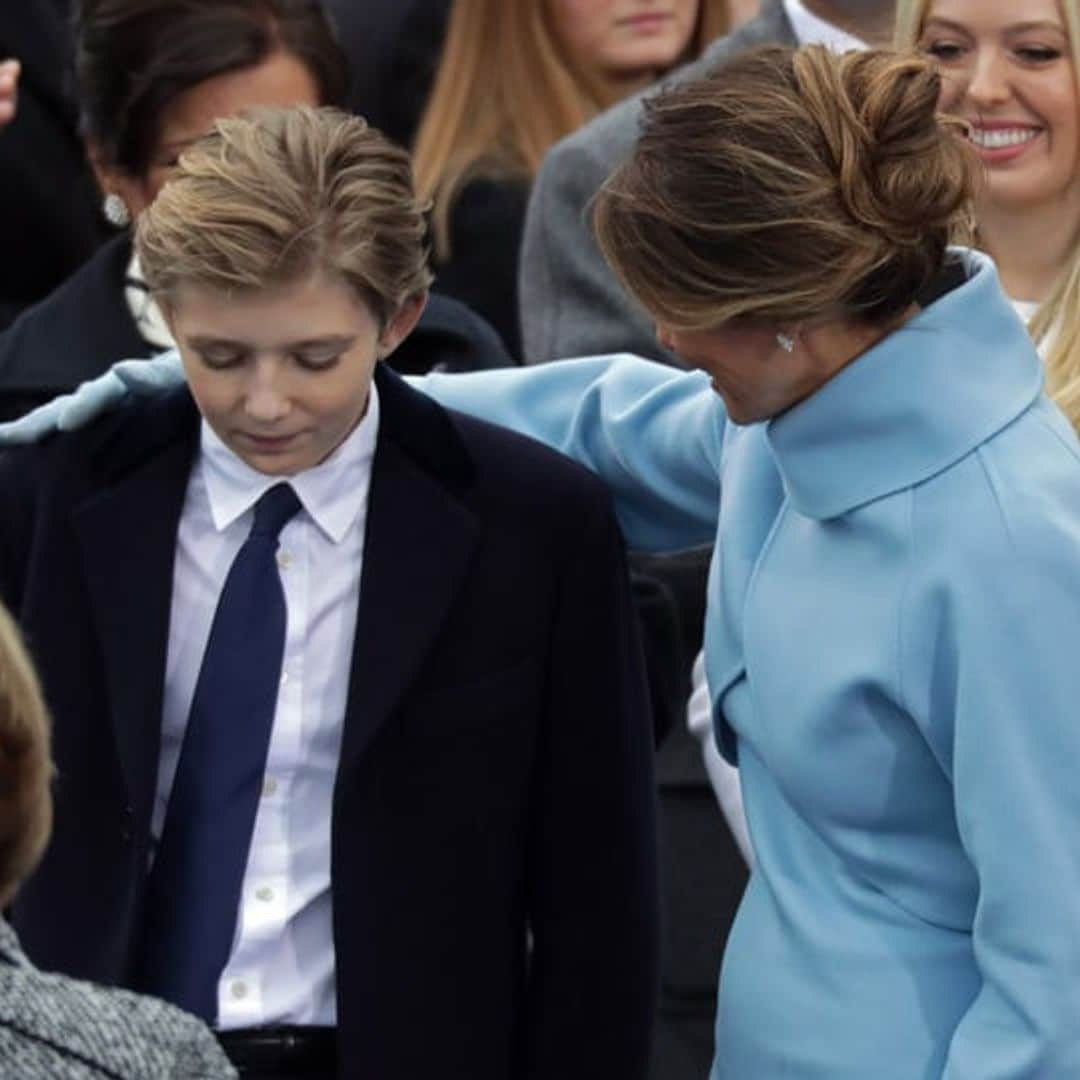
x,y
419,543
126,534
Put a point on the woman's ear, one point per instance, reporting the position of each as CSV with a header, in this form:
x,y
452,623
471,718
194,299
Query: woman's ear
x,y
115,182
402,324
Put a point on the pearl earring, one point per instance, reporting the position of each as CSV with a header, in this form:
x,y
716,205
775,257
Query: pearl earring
x,y
786,342
116,211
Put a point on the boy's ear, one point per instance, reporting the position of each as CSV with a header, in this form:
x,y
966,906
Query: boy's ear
x,y
402,324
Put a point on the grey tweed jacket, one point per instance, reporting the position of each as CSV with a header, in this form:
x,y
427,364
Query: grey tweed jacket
x,y
55,1028
571,304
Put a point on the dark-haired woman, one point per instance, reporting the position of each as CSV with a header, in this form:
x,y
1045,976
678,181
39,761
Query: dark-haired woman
x,y
894,599
152,75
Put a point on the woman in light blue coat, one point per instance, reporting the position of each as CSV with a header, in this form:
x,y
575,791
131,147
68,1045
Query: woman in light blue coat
x,y
894,602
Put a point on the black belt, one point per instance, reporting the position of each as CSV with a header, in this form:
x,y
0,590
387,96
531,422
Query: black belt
x,y
281,1049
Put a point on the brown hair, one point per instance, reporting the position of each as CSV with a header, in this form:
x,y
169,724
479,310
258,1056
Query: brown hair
x,y
278,194
134,57
1055,326
505,91
25,763
788,186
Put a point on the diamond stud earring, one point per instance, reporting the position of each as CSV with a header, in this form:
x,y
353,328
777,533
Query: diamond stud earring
x,y
786,342
116,211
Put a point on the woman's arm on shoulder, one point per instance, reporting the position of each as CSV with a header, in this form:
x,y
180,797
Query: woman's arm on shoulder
x,y
652,433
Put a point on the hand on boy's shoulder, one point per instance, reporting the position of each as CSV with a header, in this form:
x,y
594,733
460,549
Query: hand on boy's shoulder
x,y
69,412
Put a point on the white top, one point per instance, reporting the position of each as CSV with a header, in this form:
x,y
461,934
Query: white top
x,y
1027,309
811,29
724,777
144,309
281,968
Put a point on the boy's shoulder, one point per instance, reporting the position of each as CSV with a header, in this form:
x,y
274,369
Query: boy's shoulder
x,y
487,465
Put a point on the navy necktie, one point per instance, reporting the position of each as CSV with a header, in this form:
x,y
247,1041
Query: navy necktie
x,y
193,895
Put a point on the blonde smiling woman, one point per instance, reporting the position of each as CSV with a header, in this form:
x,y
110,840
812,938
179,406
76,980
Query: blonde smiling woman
x,y
1010,71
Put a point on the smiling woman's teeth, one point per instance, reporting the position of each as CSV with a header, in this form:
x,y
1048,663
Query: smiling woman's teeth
x,y
998,140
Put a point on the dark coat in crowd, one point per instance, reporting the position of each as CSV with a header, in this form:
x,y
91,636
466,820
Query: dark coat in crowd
x,y
86,326
495,773
393,48
50,216
486,224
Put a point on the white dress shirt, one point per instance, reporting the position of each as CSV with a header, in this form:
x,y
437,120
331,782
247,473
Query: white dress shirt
x,y
281,968
811,29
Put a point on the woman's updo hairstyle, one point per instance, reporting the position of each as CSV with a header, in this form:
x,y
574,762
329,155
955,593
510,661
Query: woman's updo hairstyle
x,y
132,58
789,186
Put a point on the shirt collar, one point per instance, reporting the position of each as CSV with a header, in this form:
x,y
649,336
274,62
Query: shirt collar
x,y
811,29
913,405
333,493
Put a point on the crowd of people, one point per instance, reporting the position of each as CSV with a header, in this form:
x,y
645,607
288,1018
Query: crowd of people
x,y
517,514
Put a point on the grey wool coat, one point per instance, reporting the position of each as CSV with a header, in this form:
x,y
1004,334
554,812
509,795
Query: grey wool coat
x,y
56,1028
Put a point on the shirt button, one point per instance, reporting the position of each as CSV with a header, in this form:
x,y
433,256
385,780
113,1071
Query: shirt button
x,y
265,893
284,678
238,989
269,786
284,560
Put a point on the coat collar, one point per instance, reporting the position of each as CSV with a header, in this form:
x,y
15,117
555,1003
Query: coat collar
x,y
421,535
420,542
126,533
915,404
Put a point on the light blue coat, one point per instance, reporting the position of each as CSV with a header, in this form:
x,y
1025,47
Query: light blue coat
x,y
893,646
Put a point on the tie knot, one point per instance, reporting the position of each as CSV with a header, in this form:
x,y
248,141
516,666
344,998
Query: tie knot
x,y
273,509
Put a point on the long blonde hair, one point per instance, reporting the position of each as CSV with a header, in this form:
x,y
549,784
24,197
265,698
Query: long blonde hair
x,y
504,93
1056,323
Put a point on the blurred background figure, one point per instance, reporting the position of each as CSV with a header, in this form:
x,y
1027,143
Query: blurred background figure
x,y
151,76
393,48
513,80
1010,71
51,1025
50,211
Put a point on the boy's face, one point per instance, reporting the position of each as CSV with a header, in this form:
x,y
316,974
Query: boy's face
x,y
283,375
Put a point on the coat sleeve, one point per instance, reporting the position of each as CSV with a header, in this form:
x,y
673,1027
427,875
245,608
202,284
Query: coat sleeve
x,y
653,434
1000,656
593,878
